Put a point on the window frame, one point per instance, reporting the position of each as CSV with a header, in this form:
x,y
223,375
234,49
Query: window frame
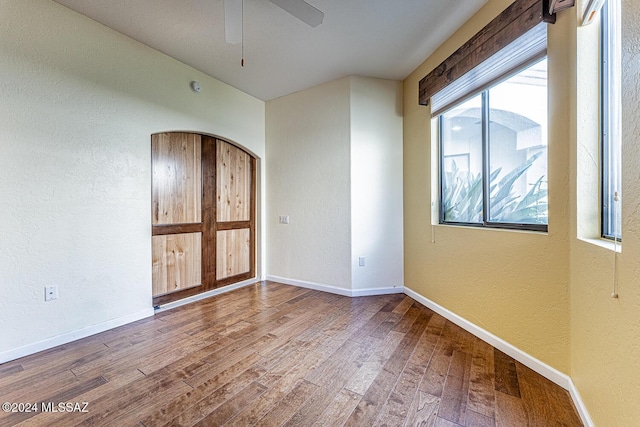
x,y
486,163
607,94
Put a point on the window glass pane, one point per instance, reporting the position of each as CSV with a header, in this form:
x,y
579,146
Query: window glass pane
x,y
461,136
518,148
611,124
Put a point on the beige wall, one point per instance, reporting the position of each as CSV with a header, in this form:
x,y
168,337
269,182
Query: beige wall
x,y
376,183
336,170
513,284
605,332
308,142
78,103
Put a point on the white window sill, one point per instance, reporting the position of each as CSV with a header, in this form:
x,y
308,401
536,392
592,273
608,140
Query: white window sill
x,y
498,229
604,243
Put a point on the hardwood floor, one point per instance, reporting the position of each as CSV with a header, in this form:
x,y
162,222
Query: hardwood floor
x,y
272,354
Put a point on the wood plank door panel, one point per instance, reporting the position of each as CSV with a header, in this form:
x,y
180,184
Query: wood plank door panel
x,y
235,217
177,178
203,215
176,217
176,262
233,183
232,253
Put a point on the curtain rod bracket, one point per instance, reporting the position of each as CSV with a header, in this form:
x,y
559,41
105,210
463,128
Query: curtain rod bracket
x,y
548,16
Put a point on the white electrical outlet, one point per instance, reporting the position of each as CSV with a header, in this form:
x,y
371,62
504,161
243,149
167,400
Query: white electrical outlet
x,y
50,293
284,219
361,261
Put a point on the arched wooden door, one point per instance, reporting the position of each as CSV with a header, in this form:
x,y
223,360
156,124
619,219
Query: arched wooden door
x,y
203,214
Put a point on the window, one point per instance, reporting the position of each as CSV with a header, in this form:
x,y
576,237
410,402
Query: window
x,y
493,164
611,122
490,100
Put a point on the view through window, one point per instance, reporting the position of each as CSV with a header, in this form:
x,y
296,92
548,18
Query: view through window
x,y
494,155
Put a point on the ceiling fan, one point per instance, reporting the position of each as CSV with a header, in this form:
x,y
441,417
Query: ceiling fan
x,y
298,8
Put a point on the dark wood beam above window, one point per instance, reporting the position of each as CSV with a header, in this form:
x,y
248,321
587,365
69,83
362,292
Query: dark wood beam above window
x,y
512,23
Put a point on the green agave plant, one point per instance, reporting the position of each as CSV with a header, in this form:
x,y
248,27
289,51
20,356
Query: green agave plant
x,y
462,197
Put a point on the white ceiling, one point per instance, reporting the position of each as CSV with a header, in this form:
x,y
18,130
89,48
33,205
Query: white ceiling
x,y
375,38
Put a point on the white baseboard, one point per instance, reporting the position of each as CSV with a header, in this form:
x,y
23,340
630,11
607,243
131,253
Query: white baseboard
x,y
336,290
208,294
580,406
526,359
48,343
377,291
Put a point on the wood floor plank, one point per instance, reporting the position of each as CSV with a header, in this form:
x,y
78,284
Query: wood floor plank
x,y
385,327
137,395
349,325
506,377
66,394
197,404
442,422
285,408
374,364
331,383
393,302
290,370
10,369
220,374
399,403
544,401
404,306
475,419
410,317
278,325
462,340
366,330
436,325
436,372
233,405
453,403
481,382
320,346
53,363
460,364
423,411
333,321
119,358
272,354
509,410
90,396
396,408
344,365
279,381
376,395
288,293
424,350
63,358
339,409
21,390
320,374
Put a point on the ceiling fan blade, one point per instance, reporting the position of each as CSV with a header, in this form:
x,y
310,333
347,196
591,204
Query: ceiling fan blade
x,y
301,10
233,21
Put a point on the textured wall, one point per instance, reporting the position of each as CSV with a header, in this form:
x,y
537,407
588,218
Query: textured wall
x,y
78,105
335,168
513,284
605,332
308,135
376,183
